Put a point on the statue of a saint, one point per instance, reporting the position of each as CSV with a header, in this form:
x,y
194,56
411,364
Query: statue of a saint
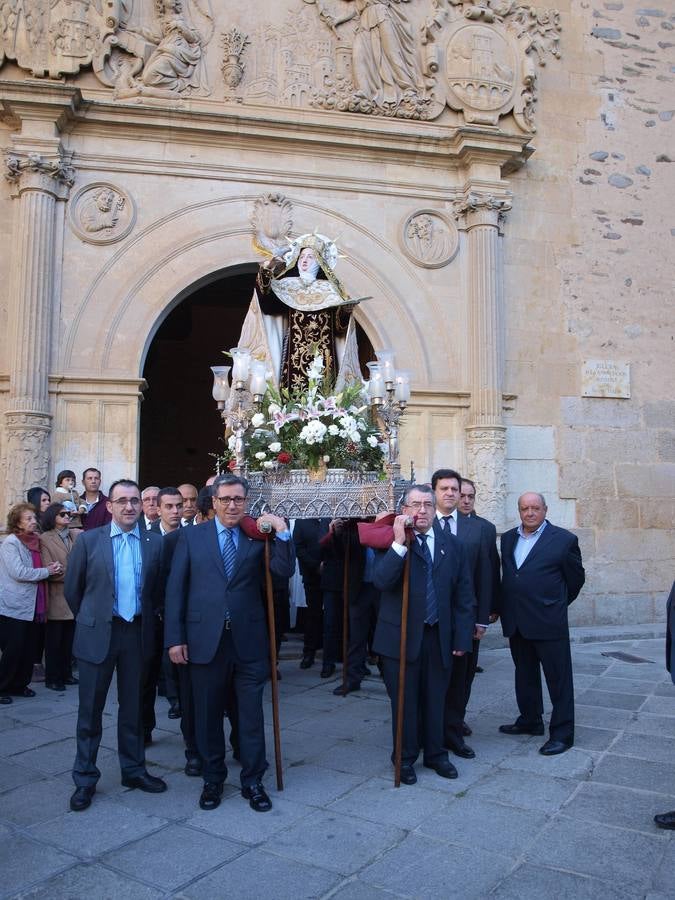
x,y
301,308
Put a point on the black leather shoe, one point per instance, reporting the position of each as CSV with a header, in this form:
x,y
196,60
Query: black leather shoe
x,y
552,748
444,768
26,692
665,820
81,799
327,670
5,700
211,794
71,680
307,661
257,797
175,711
146,782
55,686
466,731
193,766
537,728
462,749
344,689
479,670
408,775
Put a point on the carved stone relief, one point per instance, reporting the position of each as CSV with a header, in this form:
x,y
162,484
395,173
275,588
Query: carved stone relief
x,y
429,239
234,43
272,223
55,175
101,213
396,58
26,453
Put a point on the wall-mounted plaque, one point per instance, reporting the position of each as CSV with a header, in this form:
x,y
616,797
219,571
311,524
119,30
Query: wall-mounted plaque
x,y
605,378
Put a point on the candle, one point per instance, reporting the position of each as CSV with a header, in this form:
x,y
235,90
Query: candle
x,y
386,360
221,388
241,358
376,386
402,386
258,379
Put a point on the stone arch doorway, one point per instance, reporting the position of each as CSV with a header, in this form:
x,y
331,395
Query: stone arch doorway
x,y
179,423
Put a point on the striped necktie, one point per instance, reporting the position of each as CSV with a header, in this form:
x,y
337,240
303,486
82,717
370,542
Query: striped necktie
x,y
229,552
431,611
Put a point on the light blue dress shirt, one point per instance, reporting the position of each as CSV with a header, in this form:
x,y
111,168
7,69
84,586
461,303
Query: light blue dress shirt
x,y
525,543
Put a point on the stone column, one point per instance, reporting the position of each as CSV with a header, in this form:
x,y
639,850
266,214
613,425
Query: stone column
x,y
481,217
38,182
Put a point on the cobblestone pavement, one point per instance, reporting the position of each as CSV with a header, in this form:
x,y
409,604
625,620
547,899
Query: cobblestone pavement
x,y
514,824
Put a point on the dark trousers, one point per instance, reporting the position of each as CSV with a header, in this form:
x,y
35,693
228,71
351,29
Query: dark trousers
x,y
209,690
332,627
282,613
124,656
313,616
171,678
187,721
555,659
151,674
59,650
18,638
426,681
361,612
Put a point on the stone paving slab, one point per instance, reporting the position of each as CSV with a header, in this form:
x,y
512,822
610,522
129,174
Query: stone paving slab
x,y
513,824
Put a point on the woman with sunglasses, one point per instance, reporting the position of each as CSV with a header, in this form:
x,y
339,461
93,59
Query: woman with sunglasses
x,y
56,542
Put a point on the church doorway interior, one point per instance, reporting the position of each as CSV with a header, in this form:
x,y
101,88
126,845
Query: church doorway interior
x,y
180,425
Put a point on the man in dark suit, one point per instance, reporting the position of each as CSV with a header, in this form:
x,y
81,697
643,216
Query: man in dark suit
x,y
439,628
113,586
542,573
466,506
215,619
470,533
308,550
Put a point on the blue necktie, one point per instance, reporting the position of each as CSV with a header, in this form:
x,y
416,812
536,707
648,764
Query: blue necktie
x,y
431,612
126,580
447,523
229,553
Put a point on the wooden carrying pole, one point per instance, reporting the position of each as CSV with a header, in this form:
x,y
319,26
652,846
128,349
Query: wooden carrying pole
x,y
398,743
273,663
345,612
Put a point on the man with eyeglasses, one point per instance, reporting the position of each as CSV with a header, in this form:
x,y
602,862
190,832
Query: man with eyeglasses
x,y
439,627
215,620
113,586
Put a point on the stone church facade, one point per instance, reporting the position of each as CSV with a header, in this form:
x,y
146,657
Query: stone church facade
x,y
497,178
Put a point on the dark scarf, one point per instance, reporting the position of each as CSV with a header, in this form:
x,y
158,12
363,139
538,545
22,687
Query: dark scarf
x,y
32,543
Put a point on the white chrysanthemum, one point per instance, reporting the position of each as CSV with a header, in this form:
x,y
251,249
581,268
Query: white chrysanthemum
x,y
355,437
326,457
231,441
273,409
274,447
257,420
268,464
372,440
333,430
261,455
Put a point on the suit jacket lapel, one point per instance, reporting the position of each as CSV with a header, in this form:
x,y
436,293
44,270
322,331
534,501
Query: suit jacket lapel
x,y
106,545
541,542
243,549
214,547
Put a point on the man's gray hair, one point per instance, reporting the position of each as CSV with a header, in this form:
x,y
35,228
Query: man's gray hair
x,y
150,487
536,494
423,489
228,480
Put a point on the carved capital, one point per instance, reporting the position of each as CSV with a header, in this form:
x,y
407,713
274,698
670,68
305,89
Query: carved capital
x,y
486,455
32,171
482,209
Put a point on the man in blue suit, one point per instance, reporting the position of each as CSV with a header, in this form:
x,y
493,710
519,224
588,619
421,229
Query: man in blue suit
x,y
439,628
542,574
113,586
215,620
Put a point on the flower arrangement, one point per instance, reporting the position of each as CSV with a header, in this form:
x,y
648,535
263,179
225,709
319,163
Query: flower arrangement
x,y
314,430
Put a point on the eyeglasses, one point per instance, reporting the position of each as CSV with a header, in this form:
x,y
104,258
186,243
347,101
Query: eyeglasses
x,y
238,501
127,501
64,515
420,504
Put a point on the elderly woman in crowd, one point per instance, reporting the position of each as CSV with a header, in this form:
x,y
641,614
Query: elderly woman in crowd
x,y
40,499
56,542
23,600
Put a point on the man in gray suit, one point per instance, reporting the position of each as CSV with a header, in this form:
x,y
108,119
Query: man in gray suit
x,y
113,586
